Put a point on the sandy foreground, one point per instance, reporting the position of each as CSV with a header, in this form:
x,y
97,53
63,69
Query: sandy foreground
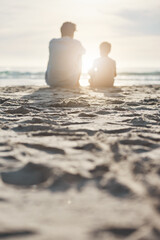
x,y
80,164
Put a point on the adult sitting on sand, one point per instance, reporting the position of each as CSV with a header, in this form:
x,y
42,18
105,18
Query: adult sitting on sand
x,y
65,55
104,68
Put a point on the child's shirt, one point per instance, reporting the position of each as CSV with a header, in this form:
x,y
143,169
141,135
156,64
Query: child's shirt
x,y
103,72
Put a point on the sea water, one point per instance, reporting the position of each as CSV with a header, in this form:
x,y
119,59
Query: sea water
x,y
35,76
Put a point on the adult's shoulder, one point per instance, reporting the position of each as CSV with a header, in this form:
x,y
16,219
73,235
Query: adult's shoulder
x,y
79,45
76,41
53,40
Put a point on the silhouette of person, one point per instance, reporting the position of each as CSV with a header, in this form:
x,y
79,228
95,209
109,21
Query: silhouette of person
x,y
65,59
103,70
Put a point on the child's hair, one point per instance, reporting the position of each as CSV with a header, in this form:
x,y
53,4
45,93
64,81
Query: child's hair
x,y
105,48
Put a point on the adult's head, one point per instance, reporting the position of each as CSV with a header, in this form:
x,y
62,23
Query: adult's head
x,y
68,29
105,48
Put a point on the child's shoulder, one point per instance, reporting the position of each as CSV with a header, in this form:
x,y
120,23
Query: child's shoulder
x,y
104,59
97,60
112,60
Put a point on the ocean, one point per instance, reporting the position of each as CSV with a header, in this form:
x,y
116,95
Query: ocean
x,y
35,76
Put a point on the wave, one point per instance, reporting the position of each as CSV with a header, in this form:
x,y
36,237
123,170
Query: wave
x,y
40,75
21,74
156,73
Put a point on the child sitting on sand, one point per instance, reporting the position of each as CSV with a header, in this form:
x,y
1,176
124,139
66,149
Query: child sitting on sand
x,y
104,68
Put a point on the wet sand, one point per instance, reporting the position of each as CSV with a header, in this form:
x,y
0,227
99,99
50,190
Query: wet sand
x,y
80,164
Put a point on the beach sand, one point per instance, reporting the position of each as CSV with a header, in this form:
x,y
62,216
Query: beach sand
x,y
80,164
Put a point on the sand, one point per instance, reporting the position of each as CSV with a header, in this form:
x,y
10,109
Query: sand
x,y
80,164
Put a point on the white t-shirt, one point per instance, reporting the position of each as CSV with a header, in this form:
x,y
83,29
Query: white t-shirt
x,y
103,71
64,66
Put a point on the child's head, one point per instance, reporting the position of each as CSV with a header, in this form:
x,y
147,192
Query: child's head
x,y
105,49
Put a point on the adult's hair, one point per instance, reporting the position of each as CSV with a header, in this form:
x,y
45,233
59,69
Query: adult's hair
x,y
68,29
105,48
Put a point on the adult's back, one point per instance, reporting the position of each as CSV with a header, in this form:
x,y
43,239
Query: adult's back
x,y
65,53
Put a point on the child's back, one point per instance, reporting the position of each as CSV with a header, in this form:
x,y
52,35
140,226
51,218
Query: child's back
x,y
104,68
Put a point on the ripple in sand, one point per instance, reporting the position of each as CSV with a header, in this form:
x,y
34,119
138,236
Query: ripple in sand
x,y
19,110
40,147
139,142
87,115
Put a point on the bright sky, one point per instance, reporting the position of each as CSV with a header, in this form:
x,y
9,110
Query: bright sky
x,y
132,26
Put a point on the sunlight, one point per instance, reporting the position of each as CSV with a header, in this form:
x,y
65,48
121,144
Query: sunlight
x,y
84,80
86,66
87,63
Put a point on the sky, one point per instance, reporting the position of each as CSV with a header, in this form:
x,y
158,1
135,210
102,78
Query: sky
x,y
131,26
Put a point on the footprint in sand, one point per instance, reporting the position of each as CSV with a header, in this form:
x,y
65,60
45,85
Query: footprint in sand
x,y
157,207
138,122
120,232
30,174
15,233
89,147
35,120
63,181
19,110
116,188
87,115
115,102
154,138
3,200
103,112
116,151
132,104
153,190
31,128
73,123
99,170
10,158
140,168
117,131
150,101
2,100
71,104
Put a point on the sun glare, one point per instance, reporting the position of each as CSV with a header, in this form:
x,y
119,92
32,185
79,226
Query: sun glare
x,y
84,80
86,66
